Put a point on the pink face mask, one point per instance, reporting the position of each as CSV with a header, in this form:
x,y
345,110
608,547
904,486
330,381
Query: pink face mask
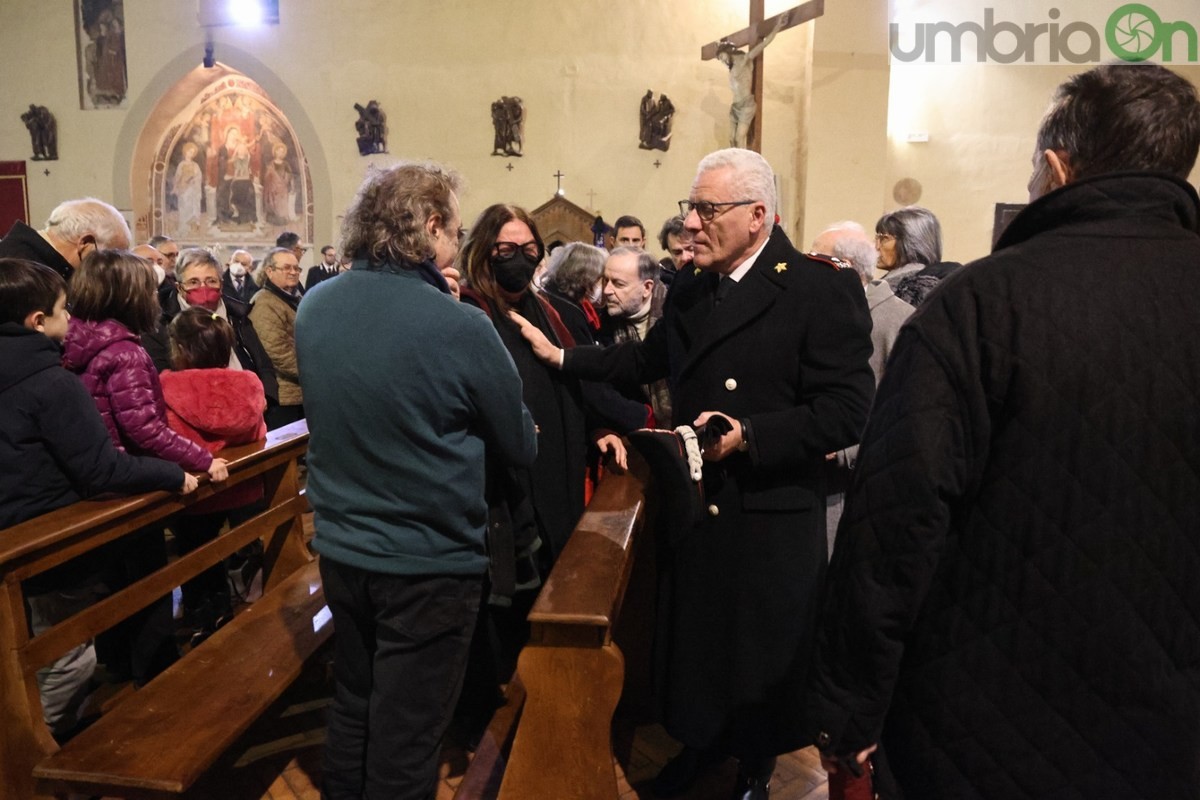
x,y
205,297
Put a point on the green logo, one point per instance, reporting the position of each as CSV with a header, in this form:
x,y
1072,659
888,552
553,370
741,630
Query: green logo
x,y
1135,32
1132,32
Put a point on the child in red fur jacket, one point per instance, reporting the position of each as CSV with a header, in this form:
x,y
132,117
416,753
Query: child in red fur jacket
x,y
214,406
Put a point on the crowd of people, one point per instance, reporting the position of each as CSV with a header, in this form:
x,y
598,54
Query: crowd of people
x,y
945,517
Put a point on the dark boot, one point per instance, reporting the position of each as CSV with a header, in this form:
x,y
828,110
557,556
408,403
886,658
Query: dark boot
x,y
754,779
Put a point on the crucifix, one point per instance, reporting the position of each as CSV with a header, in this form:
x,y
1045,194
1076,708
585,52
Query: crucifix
x,y
746,68
591,198
558,175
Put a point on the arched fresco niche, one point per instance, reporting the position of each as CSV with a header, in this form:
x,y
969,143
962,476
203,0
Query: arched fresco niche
x,y
225,167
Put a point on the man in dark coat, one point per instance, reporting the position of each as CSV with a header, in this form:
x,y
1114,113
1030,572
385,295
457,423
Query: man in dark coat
x,y
1013,607
74,229
781,352
330,265
236,281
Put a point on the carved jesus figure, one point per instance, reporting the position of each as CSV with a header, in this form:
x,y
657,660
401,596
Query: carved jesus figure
x,y
741,77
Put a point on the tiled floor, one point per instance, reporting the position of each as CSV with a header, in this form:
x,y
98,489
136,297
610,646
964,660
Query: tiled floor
x,y
281,761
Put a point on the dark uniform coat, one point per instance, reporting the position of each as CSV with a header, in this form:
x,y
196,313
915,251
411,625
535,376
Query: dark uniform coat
x,y
787,350
1014,600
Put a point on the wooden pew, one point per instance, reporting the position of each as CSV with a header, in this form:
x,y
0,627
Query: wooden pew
x,y
553,736
159,739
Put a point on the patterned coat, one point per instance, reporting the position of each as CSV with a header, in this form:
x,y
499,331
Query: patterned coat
x,y
1014,608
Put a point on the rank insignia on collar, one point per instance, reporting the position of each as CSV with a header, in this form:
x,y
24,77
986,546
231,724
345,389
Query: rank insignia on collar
x,y
697,272
781,267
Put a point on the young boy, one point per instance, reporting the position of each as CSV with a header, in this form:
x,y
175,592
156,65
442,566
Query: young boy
x,y
54,451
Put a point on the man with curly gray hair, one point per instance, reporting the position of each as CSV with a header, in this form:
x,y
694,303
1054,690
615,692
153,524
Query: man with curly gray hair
x,y
405,390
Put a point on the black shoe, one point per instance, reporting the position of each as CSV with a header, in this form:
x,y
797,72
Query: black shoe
x,y
680,773
747,788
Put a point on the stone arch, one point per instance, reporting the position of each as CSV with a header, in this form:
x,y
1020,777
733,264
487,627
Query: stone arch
x,y
176,114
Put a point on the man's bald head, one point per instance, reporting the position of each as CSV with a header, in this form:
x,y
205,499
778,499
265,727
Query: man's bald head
x,y
827,239
149,253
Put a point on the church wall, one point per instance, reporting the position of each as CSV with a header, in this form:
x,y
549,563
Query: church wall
x,y
848,153
581,69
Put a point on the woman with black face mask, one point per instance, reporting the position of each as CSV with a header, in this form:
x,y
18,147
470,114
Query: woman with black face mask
x,y
532,511
498,261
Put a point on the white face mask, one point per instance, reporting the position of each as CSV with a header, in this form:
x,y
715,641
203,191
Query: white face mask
x,y
160,274
237,270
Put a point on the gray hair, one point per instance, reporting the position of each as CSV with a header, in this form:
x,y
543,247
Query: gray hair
x,y
195,257
918,235
647,267
75,219
753,178
155,241
574,269
673,227
858,252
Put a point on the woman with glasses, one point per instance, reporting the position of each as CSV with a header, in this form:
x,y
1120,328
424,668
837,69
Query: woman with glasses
x,y
199,284
532,510
909,241
498,260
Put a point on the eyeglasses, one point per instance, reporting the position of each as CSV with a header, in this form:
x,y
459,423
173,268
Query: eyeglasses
x,y
196,283
708,211
883,237
289,270
506,250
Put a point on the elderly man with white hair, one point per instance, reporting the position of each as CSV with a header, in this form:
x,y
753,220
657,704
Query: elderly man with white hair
x,y
73,229
849,242
774,344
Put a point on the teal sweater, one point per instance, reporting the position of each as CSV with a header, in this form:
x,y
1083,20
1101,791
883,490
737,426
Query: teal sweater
x,y
404,389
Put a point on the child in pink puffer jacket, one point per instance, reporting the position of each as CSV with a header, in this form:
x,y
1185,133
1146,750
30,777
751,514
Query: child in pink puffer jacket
x,y
112,300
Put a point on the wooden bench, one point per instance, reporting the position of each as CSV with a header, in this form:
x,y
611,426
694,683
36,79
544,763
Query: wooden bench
x,y
157,741
553,736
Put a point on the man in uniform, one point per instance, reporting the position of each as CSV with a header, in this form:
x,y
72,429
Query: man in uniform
x,y
777,343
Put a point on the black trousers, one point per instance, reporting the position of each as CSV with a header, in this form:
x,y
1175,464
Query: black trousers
x,y
400,651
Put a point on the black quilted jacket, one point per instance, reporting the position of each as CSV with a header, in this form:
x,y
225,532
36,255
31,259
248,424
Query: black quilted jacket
x,y
1013,606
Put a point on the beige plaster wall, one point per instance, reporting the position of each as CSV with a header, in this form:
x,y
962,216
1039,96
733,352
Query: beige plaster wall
x,y
848,164
581,68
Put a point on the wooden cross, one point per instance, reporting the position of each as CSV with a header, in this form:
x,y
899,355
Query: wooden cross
x,y
509,167
559,176
657,163
591,198
758,30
